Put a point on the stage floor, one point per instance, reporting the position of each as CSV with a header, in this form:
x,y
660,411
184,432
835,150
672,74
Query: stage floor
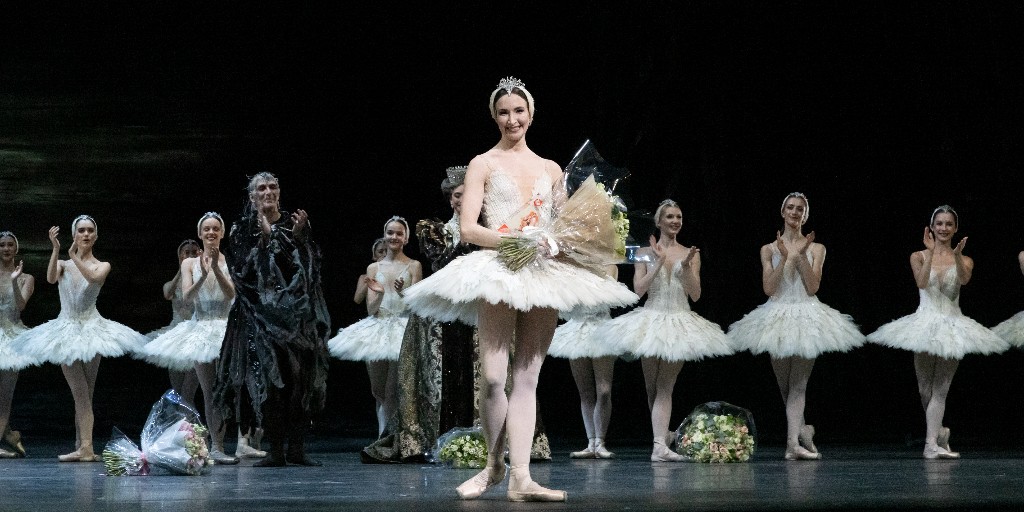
x,y
848,478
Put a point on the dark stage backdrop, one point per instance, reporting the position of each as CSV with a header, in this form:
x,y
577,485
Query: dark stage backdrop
x,y
148,116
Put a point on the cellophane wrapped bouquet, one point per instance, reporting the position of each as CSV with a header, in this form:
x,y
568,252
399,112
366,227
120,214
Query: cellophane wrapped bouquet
x,y
590,229
717,432
462,448
173,439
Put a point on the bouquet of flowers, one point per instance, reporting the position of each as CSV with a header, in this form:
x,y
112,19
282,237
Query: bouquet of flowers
x,y
717,432
462,448
590,230
173,439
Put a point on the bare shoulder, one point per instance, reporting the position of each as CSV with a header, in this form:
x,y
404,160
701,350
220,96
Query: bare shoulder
x,y
371,269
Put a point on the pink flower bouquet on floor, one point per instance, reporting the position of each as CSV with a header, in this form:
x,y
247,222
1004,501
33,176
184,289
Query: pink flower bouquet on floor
x,y
717,432
173,439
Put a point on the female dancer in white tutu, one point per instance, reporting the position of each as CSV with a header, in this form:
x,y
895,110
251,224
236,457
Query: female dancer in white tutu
x,y
79,336
378,250
377,339
592,364
516,311
16,288
183,381
1012,329
794,327
938,332
665,333
195,343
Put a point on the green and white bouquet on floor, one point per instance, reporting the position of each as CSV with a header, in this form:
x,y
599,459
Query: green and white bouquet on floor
x,y
717,432
461,448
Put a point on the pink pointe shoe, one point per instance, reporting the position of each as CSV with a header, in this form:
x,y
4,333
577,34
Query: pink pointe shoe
x,y
600,451
933,452
525,489
807,438
661,453
586,453
475,487
943,439
800,453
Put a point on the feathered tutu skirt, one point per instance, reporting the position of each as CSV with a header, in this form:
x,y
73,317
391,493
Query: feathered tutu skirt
x,y
456,291
186,344
65,340
10,359
950,335
575,338
680,335
1012,330
805,328
370,339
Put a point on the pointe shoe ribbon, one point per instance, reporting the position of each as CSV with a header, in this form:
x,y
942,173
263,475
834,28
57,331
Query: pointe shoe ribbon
x,y
474,487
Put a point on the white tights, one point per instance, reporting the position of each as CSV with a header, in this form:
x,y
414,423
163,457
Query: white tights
x,y
525,337
384,386
81,377
660,380
8,378
594,380
792,374
934,375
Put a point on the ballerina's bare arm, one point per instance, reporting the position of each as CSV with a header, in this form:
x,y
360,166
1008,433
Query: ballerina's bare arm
x,y
93,273
964,264
361,289
690,270
169,286
53,269
642,276
810,271
23,290
472,204
226,286
374,290
189,286
771,276
921,261
1020,261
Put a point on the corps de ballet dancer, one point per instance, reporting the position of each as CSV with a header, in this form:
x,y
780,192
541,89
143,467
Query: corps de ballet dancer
x,y
16,288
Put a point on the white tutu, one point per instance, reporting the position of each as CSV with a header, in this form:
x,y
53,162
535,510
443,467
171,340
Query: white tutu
x,y
370,339
10,359
575,338
665,327
456,291
186,344
793,323
806,329
938,326
1012,330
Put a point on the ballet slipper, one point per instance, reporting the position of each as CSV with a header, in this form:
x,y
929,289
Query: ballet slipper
x,y
943,439
806,438
934,451
661,453
797,452
586,453
244,451
13,438
83,454
474,487
522,488
600,451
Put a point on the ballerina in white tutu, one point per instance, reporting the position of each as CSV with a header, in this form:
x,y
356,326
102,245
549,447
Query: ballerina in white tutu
x,y
794,327
516,312
195,343
79,336
938,332
183,381
592,364
377,339
665,333
16,288
1012,329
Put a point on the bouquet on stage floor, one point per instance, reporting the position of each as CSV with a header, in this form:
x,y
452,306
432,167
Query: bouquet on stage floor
x,y
173,439
591,228
462,448
717,432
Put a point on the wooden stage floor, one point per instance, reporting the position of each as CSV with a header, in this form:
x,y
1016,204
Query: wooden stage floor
x,y
848,478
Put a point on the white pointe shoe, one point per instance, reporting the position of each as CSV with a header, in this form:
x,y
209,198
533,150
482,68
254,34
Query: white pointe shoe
x,y
943,439
800,453
661,453
525,489
474,487
586,453
600,451
244,451
219,457
932,452
807,438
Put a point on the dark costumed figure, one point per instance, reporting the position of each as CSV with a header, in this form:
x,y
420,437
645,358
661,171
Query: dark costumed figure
x,y
273,363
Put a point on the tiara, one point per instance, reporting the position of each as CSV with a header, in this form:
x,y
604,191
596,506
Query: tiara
x,y
456,174
510,82
8,233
